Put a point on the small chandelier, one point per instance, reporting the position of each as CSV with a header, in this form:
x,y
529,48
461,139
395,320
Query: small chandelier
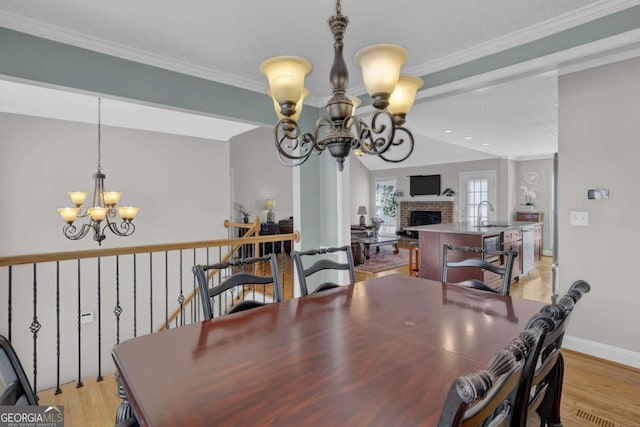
x,y
103,207
392,96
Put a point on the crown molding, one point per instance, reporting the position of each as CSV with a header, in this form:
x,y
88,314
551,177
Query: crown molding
x,y
74,38
527,35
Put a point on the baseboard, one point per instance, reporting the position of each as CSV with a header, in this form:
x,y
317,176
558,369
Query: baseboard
x,y
603,351
547,252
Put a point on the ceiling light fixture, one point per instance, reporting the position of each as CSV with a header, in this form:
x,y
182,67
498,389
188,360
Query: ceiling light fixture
x,y
468,138
448,131
103,207
392,96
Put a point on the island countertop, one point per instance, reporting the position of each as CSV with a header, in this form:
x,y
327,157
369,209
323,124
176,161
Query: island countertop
x,y
470,227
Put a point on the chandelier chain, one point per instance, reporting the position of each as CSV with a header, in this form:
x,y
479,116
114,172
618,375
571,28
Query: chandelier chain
x,y
99,132
338,8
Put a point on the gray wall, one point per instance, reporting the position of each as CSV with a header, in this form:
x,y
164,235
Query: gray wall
x,y
598,147
543,192
360,181
259,175
170,178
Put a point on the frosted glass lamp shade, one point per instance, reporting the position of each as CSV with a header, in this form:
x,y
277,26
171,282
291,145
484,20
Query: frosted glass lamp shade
x,y
68,214
404,95
127,212
286,77
111,198
97,213
380,65
299,105
77,197
270,204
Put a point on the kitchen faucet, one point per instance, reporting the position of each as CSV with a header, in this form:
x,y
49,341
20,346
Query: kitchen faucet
x,y
479,216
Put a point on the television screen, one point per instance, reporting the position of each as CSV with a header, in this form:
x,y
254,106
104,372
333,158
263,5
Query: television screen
x,y
424,185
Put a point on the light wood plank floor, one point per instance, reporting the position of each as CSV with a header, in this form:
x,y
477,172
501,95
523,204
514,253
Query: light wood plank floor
x,y
596,392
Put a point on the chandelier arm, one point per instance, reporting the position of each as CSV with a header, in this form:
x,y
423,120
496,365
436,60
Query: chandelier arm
x,y
72,233
378,137
401,141
293,146
126,228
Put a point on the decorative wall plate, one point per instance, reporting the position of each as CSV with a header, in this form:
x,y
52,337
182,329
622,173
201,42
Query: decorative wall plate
x,y
532,177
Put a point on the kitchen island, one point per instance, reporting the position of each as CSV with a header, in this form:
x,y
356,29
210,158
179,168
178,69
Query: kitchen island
x,y
494,236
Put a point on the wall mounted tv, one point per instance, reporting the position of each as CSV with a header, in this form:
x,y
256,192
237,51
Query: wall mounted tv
x,y
424,185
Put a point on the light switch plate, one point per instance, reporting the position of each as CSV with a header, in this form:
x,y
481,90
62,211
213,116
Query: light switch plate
x,y
579,218
86,317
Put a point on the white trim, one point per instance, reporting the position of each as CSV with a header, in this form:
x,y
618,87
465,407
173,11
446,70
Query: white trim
x,y
547,252
603,351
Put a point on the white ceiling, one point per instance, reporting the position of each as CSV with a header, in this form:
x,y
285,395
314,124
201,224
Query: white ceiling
x,y
224,41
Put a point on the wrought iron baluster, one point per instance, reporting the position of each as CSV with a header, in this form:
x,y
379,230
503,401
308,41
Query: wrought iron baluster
x,y
10,300
99,378
150,292
117,310
34,328
195,295
79,383
166,290
135,297
181,296
58,390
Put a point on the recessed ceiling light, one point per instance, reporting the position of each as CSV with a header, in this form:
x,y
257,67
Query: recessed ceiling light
x,y
482,111
486,143
448,131
468,138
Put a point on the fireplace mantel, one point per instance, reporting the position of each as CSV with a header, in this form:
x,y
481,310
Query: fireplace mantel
x,y
426,199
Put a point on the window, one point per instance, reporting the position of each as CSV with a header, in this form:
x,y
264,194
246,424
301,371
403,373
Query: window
x,y
386,204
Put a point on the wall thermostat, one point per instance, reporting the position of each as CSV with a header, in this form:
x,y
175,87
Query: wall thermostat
x,y
598,193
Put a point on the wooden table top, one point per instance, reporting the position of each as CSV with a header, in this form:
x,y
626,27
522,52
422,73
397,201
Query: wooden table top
x,y
382,352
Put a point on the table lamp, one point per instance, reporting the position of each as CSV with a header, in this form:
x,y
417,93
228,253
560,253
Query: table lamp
x,y
362,211
270,204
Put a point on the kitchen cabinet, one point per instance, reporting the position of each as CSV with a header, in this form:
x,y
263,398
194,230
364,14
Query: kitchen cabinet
x,y
512,240
529,216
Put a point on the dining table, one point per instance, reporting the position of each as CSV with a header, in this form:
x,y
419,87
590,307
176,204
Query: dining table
x,y
383,352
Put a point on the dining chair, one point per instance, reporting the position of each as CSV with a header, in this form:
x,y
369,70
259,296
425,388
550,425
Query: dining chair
x,y
486,397
480,259
541,384
239,290
16,390
322,263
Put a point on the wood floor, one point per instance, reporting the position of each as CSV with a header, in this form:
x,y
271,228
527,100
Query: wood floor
x,y
596,392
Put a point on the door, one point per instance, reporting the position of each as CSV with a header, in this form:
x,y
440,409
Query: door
x,y
477,187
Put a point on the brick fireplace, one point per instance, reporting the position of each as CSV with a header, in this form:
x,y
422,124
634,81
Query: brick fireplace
x,y
444,207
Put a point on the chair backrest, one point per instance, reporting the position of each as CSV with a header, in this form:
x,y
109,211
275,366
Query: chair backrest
x,y
541,382
478,258
487,397
223,299
15,389
320,264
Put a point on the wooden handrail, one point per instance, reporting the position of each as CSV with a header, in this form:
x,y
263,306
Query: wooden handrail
x,y
94,253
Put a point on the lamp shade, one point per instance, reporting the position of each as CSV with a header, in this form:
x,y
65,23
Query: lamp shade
x,y
68,214
286,76
404,95
380,65
362,210
127,212
299,105
111,198
97,213
270,204
77,197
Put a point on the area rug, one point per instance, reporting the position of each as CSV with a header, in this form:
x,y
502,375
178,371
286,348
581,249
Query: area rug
x,y
384,260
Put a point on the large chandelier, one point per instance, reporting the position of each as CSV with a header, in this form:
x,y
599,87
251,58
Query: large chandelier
x,y
392,96
103,207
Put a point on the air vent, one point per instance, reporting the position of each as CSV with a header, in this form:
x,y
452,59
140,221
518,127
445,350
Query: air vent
x,y
595,420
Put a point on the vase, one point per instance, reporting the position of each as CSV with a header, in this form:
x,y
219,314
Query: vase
x,y
376,228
